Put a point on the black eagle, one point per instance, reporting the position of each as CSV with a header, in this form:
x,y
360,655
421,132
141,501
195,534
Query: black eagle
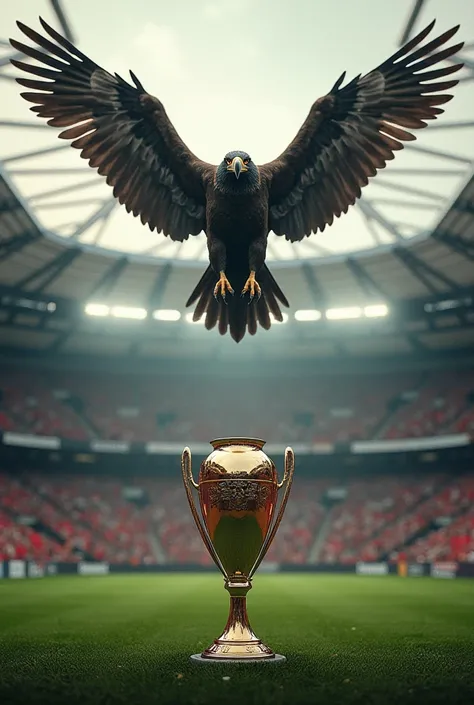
x,y
125,134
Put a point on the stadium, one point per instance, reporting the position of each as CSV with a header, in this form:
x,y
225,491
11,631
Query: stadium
x,y
106,586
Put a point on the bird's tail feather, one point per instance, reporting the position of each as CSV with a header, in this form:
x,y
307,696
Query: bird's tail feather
x,y
237,315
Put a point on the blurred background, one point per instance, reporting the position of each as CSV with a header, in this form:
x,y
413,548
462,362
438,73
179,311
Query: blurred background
x,y
104,378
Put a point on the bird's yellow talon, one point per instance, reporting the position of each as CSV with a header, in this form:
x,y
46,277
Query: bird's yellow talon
x,y
252,286
223,286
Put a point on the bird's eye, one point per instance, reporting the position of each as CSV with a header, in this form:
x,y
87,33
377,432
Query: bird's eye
x,y
228,161
246,161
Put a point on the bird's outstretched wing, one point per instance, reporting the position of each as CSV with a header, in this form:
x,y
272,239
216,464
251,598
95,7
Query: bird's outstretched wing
x,y
121,130
352,132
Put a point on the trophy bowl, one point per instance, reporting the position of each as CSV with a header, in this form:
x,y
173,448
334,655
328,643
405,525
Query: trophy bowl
x,y
238,519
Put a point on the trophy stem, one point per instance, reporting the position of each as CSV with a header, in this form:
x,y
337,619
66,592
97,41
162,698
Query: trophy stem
x,y
238,641
238,618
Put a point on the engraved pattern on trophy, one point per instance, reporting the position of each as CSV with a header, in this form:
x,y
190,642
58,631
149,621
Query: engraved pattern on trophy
x,y
238,495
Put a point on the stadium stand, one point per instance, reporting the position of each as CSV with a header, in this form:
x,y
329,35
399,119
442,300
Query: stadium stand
x,y
371,508
450,533
332,409
65,518
444,404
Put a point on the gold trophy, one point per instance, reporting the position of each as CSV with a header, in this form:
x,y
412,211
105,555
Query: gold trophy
x,y
238,492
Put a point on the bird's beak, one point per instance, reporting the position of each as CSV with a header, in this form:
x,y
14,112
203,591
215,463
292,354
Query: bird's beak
x,y
237,166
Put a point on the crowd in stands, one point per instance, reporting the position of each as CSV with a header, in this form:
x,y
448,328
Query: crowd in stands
x,y
137,408
372,508
444,404
452,527
70,518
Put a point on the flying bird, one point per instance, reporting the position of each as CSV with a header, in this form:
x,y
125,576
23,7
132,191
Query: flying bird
x,y
125,133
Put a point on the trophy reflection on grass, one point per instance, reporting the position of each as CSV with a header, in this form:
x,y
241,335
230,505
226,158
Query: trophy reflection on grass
x,y
238,494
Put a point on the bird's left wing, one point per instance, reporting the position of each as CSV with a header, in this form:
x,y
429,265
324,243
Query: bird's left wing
x,y
352,132
121,130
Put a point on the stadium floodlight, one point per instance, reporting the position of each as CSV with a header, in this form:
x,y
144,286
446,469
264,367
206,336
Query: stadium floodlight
x,y
137,314
308,314
274,320
166,314
97,309
376,311
341,314
189,319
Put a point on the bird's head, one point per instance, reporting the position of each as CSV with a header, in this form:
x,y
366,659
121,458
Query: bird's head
x,y
237,173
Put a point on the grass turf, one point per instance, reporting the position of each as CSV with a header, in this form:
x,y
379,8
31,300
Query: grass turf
x,y
127,639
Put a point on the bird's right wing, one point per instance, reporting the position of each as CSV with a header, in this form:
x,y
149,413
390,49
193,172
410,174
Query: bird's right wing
x,y
121,130
353,131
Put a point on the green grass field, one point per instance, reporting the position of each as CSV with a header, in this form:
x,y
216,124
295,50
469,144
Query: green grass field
x,y
127,639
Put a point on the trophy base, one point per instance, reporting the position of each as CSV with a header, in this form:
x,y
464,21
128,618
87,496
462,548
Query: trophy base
x,y
199,658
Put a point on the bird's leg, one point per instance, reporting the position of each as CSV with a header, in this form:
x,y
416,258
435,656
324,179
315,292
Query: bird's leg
x,y
223,286
252,286
217,258
257,251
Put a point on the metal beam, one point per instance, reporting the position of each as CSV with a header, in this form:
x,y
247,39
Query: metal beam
x,y
315,245
468,63
364,279
407,32
159,287
41,171
110,278
419,268
439,153
372,212
317,292
52,269
70,204
154,301
411,190
400,202
102,287
36,153
6,77
5,60
372,229
427,172
64,189
319,299
100,214
417,273
23,125
68,259
459,125
457,244
102,226
15,244
62,19
371,287
464,206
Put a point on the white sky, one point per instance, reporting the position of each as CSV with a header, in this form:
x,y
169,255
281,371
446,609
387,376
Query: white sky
x,y
202,57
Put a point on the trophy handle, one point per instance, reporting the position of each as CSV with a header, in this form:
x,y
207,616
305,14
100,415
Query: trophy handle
x,y
188,484
288,479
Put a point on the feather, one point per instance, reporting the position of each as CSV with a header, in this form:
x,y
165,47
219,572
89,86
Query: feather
x,y
370,119
107,122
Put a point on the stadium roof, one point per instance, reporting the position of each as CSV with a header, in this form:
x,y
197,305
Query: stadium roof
x,y
404,202
421,245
